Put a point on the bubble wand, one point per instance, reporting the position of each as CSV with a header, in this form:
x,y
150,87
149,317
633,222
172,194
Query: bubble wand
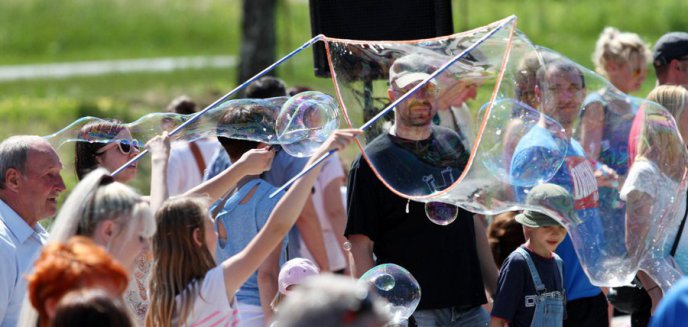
x,y
392,105
223,98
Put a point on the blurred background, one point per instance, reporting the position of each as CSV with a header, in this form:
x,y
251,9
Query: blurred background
x,y
125,58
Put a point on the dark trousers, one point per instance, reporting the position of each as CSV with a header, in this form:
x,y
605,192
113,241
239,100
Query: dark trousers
x,y
587,312
641,317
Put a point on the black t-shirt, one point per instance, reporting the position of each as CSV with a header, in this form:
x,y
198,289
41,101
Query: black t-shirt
x,y
514,301
443,259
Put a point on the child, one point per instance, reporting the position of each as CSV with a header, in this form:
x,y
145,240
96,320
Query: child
x,y
187,288
530,290
292,274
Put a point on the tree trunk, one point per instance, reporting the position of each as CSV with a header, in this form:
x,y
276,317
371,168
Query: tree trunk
x,y
258,37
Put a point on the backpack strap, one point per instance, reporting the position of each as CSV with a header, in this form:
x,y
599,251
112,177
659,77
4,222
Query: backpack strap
x,y
680,230
198,156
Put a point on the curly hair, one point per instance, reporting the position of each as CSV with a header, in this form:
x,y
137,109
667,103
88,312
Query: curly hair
x,y
63,267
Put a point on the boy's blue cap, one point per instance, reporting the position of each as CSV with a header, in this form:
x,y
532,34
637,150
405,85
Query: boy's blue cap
x,y
552,197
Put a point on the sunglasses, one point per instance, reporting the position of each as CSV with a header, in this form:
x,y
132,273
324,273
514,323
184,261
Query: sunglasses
x,y
125,146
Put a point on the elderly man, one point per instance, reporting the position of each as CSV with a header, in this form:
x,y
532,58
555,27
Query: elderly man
x,y
30,183
670,59
424,158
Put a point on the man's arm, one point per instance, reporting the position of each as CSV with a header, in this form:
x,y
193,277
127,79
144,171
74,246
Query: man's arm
x,y
268,273
311,232
488,268
362,250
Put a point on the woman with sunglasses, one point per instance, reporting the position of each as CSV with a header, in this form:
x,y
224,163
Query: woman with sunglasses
x,y
112,148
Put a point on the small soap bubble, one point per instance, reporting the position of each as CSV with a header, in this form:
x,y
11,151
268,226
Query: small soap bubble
x,y
441,213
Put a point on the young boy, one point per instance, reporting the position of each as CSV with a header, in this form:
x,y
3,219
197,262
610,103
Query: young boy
x,y
530,288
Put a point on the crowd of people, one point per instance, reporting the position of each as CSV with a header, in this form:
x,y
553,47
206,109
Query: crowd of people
x,y
211,246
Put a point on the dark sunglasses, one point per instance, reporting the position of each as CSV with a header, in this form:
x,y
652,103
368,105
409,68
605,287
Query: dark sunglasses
x,y
125,146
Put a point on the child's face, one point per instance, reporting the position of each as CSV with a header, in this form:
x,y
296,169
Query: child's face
x,y
548,237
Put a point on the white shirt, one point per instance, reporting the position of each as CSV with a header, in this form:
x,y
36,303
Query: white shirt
x,y
19,248
182,170
331,171
211,307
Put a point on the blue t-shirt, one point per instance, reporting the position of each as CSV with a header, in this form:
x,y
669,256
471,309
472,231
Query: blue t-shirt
x,y
284,167
673,310
516,294
242,223
577,176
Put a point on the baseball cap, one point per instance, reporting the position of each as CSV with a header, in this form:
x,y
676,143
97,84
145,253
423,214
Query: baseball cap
x,y
294,272
549,196
670,46
409,69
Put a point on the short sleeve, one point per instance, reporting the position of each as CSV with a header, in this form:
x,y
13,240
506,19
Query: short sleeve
x,y
361,200
642,177
510,287
330,171
213,289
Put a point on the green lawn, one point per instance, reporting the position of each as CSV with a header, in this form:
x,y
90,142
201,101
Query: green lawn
x,y
47,31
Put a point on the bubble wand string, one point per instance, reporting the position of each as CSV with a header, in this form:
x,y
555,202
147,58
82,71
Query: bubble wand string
x,y
223,98
392,105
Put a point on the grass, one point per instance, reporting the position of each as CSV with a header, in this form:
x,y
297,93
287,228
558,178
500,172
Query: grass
x,y
45,31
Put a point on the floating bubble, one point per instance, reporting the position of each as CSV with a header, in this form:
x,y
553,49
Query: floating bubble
x,y
441,213
397,286
307,120
299,124
384,282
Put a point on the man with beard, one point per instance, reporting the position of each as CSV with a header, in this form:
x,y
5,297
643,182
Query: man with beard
x,y
419,158
560,90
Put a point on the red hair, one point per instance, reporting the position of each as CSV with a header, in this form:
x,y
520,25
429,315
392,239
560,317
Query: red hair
x,y
78,263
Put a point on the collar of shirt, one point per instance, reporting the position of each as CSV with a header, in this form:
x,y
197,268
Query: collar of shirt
x,y
17,226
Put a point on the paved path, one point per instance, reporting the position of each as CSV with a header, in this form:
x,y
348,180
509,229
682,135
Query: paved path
x,y
91,68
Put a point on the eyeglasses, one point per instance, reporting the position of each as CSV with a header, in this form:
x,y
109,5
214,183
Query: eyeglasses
x,y
428,90
125,146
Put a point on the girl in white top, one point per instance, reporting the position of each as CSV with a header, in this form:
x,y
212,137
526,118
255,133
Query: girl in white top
x,y
186,288
659,166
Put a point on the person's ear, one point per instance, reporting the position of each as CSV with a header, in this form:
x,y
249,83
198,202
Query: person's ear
x,y
13,179
51,307
104,232
612,66
538,93
390,94
99,160
197,236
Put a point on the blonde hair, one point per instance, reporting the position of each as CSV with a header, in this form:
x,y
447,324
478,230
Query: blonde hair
x,y
616,46
671,97
179,263
97,198
659,143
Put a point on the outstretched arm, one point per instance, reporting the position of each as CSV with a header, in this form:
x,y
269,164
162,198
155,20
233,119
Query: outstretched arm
x,y
238,268
159,147
253,162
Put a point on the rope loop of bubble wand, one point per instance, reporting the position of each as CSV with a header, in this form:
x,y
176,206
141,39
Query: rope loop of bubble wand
x,y
223,98
392,105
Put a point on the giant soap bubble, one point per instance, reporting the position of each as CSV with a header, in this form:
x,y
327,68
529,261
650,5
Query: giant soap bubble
x,y
544,120
398,287
299,124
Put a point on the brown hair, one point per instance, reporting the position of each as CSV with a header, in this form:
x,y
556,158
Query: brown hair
x,y
85,152
91,307
504,235
62,267
179,263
